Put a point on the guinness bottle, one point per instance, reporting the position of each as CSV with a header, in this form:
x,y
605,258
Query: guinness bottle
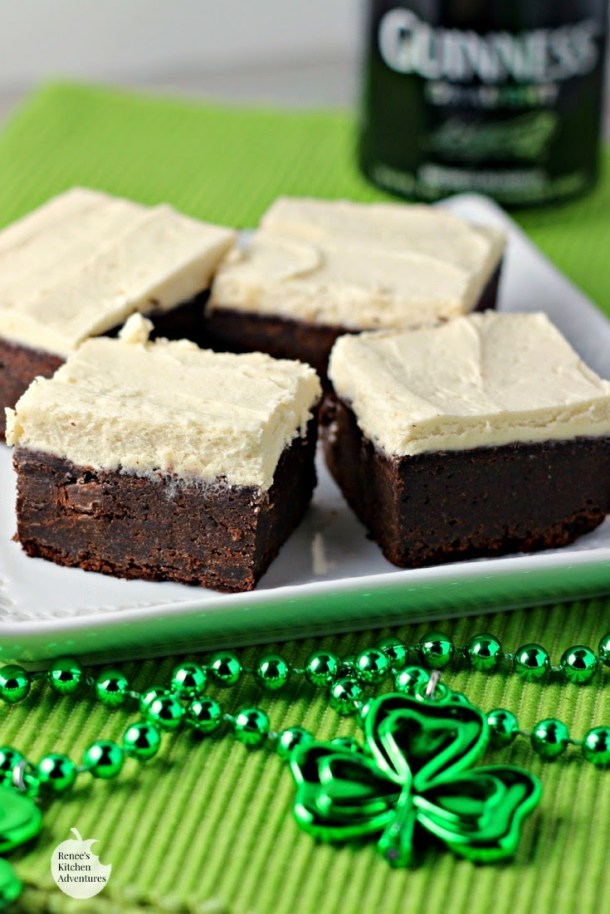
x,y
503,97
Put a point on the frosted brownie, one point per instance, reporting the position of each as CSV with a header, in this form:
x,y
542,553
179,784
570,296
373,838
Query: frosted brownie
x,y
483,436
79,265
161,460
316,269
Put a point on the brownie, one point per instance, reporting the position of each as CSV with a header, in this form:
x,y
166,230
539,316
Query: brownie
x,y
315,270
164,461
452,505
484,436
166,528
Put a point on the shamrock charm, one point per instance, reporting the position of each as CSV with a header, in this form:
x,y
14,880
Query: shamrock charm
x,y
414,770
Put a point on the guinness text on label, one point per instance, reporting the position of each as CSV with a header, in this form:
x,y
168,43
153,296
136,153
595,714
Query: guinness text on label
x,y
408,45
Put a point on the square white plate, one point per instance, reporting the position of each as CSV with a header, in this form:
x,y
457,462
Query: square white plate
x,y
329,576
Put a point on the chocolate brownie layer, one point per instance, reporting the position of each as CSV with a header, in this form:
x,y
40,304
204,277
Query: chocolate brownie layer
x,y
160,527
450,505
231,330
183,322
281,337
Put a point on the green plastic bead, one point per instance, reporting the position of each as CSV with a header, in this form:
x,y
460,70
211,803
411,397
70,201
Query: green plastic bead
x,y
322,668
203,714
436,650
188,680
550,738
251,726
14,683
111,688
411,680
65,675
484,653
596,746
604,649
103,759
578,664
272,672
141,740
226,668
147,697
347,667
165,711
289,739
395,651
9,758
532,662
56,773
344,695
372,666
503,727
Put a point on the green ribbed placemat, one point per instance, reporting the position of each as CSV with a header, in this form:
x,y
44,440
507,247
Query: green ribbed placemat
x,y
206,827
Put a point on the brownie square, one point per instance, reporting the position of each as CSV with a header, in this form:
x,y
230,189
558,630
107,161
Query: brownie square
x,y
81,264
452,505
315,270
164,461
542,479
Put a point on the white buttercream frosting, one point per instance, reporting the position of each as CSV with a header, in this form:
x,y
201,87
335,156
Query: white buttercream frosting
x,y
167,407
482,380
360,266
85,261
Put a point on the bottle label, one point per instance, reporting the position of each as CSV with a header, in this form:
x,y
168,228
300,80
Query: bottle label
x,y
515,114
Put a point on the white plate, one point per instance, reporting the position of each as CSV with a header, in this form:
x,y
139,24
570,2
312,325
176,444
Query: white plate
x,y
329,576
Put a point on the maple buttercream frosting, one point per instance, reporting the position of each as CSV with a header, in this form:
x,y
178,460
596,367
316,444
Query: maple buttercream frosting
x,y
165,406
359,266
478,381
83,262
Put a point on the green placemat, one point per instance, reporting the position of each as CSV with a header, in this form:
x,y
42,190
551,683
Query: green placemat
x,y
206,827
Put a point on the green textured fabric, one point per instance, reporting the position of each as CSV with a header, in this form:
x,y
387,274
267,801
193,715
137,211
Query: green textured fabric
x,y
206,827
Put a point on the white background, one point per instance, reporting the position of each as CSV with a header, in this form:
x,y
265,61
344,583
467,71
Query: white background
x,y
160,39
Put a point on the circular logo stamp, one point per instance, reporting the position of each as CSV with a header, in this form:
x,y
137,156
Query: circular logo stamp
x,y
76,869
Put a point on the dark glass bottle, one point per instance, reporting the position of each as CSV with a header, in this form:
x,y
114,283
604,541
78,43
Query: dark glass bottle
x,y
503,97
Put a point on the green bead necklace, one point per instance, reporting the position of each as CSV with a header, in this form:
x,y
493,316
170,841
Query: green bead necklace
x,y
413,772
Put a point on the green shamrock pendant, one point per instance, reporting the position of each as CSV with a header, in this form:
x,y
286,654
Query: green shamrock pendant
x,y
414,770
